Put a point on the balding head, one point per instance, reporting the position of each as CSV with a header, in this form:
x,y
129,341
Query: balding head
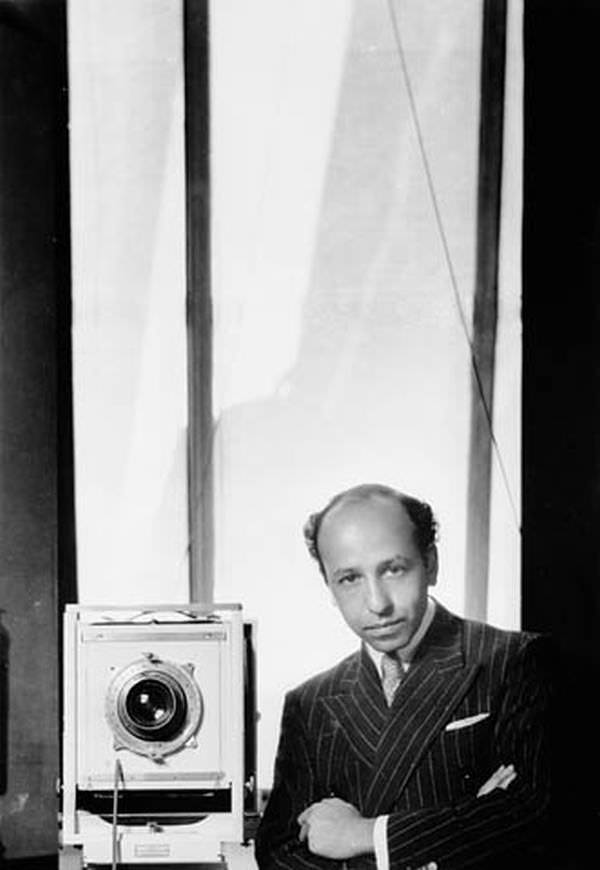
x,y
418,512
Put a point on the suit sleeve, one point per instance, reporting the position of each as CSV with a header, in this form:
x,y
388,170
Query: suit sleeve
x,y
294,788
503,822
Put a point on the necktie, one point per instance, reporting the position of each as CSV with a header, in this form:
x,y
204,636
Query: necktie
x,y
392,673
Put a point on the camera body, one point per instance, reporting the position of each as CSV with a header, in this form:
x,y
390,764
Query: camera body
x,y
157,710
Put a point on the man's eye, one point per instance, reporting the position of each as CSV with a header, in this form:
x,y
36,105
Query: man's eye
x,y
395,569
347,579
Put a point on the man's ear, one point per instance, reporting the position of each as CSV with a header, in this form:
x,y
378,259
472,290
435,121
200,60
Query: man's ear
x,y
332,597
431,565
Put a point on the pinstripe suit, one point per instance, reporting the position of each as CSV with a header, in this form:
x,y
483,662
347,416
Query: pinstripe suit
x,y
338,737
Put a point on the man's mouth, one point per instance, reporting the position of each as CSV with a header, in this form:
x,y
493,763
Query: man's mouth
x,y
385,627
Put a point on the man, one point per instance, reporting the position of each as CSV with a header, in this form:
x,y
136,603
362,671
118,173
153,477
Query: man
x,y
428,747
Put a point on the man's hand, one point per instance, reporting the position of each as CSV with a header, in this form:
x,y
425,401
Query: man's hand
x,y
501,778
335,829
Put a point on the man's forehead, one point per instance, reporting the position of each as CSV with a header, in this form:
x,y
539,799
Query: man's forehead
x,y
365,510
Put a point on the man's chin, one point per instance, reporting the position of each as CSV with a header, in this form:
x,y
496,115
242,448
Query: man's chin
x,y
387,643
388,647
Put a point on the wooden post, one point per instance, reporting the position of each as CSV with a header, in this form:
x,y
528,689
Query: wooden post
x,y
493,59
199,302
36,522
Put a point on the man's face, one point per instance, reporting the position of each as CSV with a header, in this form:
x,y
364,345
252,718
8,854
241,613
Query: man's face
x,y
375,571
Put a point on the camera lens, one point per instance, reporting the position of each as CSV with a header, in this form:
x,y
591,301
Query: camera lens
x,y
154,708
150,704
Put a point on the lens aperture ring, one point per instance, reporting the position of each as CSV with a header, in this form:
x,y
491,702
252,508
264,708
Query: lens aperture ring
x,y
153,707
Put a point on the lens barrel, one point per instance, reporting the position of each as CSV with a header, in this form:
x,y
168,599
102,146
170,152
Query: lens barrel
x,y
154,707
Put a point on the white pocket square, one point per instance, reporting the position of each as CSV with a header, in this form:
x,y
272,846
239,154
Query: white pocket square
x,y
464,723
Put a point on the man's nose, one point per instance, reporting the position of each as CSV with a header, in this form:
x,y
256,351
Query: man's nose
x,y
378,600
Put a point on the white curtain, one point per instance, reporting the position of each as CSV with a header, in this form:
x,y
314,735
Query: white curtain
x,y
129,335
339,351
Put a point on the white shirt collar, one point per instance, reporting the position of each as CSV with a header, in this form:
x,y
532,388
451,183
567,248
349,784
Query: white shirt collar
x,y
406,653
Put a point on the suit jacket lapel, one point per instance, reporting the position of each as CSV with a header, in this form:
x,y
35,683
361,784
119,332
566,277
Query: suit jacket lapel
x,y
435,683
360,708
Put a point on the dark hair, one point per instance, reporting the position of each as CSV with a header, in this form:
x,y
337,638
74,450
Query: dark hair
x,y
419,513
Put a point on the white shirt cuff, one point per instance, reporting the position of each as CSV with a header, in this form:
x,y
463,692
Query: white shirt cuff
x,y
382,857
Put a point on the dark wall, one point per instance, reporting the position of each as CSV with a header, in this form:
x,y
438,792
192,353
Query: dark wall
x,y
35,443
561,380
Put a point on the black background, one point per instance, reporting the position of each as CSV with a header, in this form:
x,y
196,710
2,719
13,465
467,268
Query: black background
x,y
561,390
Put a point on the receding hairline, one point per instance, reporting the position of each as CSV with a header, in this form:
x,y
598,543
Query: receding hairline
x,y
364,494
422,519
419,513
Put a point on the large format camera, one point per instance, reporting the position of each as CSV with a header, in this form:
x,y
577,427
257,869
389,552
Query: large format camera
x,y
159,734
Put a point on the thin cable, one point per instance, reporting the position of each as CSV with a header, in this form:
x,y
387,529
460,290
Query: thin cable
x,y
115,813
448,257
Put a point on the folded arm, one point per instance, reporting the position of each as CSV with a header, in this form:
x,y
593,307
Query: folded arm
x,y
333,828
501,819
303,829
279,843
